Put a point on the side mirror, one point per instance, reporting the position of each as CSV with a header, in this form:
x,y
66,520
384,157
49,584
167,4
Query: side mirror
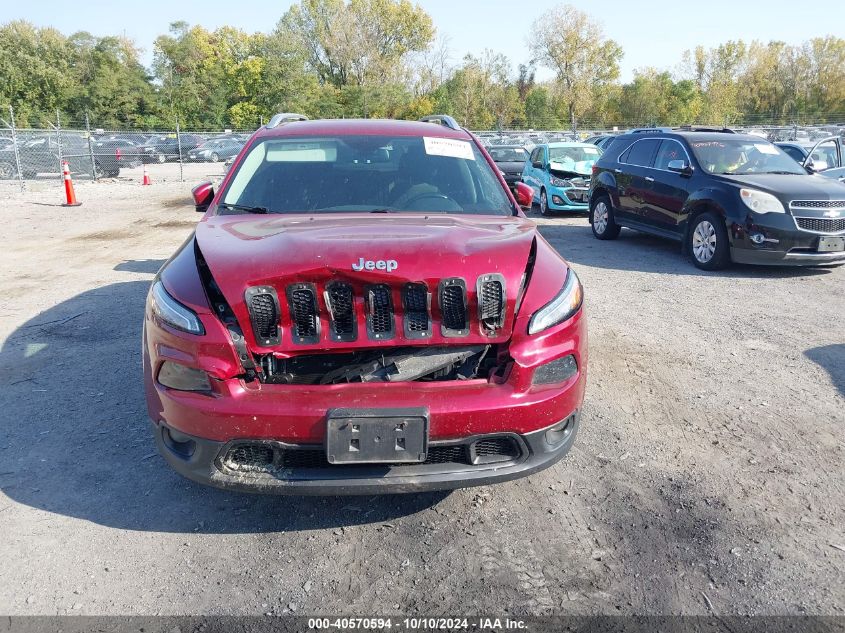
x,y
203,194
524,195
680,167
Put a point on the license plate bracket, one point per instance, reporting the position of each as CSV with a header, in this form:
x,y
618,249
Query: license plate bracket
x,y
831,244
376,436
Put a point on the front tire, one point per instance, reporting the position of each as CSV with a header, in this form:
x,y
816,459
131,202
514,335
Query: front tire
x,y
601,219
215,157
707,242
544,203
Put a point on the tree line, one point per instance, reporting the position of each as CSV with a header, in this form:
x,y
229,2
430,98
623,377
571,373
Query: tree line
x,y
382,58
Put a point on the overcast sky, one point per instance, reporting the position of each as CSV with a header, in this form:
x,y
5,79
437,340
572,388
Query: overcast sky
x,y
651,32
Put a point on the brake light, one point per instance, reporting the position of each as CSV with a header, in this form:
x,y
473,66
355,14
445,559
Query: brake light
x,y
117,153
595,169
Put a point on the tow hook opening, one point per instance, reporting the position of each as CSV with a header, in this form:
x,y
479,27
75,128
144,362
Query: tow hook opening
x,y
178,443
561,431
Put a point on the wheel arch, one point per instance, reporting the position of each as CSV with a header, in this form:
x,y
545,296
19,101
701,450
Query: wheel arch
x,y
704,201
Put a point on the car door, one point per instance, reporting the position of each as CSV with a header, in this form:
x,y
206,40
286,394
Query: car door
x,y
631,178
828,151
666,191
533,169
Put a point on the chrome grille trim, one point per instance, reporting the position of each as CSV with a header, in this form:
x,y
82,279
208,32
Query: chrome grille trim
x,y
817,204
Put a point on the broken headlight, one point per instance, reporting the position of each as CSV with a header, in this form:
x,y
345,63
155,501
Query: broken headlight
x,y
563,306
172,312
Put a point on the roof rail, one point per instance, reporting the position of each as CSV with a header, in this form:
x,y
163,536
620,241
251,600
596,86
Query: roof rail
x,y
704,128
284,117
441,119
649,130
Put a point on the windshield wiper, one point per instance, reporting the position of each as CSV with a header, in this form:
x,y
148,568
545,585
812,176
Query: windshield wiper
x,y
383,210
243,207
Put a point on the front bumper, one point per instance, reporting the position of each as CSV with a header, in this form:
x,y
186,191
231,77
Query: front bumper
x,y
561,199
784,243
205,461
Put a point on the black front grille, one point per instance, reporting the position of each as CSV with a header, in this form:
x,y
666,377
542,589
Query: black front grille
x,y
503,447
342,309
822,225
250,458
263,306
303,309
415,305
380,311
818,204
453,309
491,301
265,316
446,455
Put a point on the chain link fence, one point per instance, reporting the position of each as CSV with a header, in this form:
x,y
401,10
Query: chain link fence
x,y
36,155
30,155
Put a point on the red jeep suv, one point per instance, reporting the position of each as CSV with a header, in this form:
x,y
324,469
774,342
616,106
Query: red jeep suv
x,y
363,308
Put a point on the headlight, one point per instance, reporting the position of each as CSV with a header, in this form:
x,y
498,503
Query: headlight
x,y
172,312
560,182
564,305
761,202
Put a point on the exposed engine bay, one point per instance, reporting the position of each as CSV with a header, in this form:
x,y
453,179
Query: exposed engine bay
x,y
402,364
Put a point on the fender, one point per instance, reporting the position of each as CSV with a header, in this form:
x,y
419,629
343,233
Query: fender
x,y
605,182
720,201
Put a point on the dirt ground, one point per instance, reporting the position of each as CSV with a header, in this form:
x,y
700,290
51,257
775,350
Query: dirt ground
x,y
708,474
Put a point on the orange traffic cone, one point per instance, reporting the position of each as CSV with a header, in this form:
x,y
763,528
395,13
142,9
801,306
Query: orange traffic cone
x,y
146,180
70,194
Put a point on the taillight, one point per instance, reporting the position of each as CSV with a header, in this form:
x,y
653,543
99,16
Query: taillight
x,y
117,153
595,169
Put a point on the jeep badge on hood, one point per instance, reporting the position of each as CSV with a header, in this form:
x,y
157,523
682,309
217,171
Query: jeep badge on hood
x,y
368,264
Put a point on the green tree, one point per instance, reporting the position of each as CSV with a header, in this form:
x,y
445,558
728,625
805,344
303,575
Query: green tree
x,y
567,41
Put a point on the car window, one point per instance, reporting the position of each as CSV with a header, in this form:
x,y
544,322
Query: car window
x,y
508,154
669,150
794,152
826,153
367,173
641,153
740,156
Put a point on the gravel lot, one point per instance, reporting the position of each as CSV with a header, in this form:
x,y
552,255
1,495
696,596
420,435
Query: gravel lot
x,y
708,475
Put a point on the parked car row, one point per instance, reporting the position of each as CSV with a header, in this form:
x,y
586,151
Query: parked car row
x,y
727,197
43,152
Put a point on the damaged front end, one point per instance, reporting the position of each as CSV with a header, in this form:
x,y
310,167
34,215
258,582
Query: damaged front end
x,y
404,364
573,186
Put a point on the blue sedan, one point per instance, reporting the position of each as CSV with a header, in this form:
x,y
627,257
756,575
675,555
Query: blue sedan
x,y
560,175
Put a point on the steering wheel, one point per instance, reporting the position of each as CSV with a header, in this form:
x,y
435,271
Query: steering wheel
x,y
431,195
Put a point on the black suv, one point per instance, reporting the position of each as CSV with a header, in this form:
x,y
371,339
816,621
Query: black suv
x,y
727,197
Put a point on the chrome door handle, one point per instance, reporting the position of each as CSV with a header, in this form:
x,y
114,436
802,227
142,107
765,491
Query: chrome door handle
x,y
649,179
617,171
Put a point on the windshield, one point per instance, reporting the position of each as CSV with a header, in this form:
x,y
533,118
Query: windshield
x,y
570,157
508,154
366,174
738,157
